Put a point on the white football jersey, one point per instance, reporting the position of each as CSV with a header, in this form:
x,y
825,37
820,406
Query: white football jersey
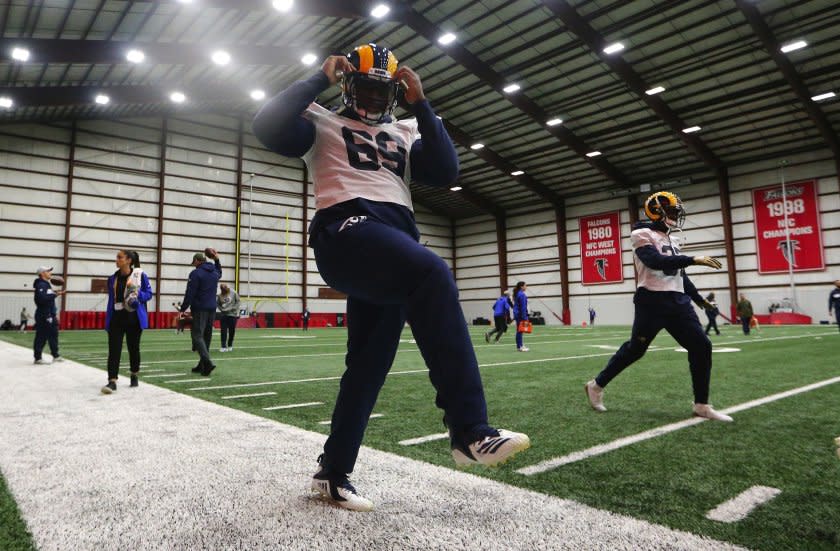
x,y
351,159
656,280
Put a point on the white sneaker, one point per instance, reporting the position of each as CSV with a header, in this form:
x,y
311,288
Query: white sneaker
x,y
230,349
523,349
223,350
595,394
340,492
492,450
57,359
707,411
41,362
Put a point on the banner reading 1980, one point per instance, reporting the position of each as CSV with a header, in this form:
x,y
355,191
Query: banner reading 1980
x,y
600,249
805,250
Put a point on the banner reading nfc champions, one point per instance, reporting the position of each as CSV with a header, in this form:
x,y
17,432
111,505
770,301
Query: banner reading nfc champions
x,y
600,249
805,250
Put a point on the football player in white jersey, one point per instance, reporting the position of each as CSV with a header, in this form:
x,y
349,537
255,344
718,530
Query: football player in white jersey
x,y
663,301
361,160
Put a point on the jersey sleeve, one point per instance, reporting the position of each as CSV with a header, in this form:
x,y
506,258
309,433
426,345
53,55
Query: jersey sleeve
x,y
642,237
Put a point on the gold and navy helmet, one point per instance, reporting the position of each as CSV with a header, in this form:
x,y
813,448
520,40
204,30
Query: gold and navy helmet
x,y
371,90
666,207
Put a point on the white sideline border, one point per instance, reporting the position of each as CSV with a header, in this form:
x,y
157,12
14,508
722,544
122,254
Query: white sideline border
x,y
292,406
739,507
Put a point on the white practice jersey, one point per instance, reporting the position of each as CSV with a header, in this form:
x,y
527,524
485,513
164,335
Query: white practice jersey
x,y
656,280
351,159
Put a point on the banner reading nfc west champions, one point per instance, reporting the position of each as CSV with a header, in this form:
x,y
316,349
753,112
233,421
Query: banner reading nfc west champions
x,y
805,250
600,249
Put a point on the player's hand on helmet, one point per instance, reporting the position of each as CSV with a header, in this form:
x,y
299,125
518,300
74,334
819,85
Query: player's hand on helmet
x,y
335,66
410,83
708,261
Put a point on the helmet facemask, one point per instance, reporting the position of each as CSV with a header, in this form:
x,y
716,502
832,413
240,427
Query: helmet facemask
x,y
372,95
673,216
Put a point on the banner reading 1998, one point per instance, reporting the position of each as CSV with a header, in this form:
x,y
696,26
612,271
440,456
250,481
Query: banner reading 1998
x,y
600,249
805,250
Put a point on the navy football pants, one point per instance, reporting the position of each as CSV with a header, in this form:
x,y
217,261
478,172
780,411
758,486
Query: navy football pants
x,y
682,323
46,331
390,278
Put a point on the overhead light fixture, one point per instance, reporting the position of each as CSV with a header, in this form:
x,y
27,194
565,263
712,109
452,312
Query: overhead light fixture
x,y
821,97
220,57
257,95
135,56
282,5
614,48
655,90
793,46
691,129
477,146
455,188
447,38
593,153
308,59
380,10
6,102
517,173
185,1
511,88
177,97
20,54
553,122
102,99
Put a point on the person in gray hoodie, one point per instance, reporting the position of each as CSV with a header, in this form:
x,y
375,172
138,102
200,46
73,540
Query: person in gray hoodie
x,y
227,302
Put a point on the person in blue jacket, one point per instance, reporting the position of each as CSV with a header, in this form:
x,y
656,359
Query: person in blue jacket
x,y
46,316
520,312
501,317
834,301
200,299
126,316
365,239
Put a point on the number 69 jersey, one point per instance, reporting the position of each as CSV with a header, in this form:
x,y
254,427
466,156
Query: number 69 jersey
x,y
350,159
649,278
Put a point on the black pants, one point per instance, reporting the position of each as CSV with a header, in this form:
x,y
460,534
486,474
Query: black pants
x,y
305,324
712,324
201,333
46,331
501,327
837,314
228,325
745,324
123,324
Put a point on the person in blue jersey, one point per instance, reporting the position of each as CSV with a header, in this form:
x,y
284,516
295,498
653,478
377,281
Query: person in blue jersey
x,y
126,316
365,241
46,316
834,302
520,312
501,317
200,299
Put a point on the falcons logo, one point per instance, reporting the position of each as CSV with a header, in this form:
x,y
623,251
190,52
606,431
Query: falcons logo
x,y
789,249
601,266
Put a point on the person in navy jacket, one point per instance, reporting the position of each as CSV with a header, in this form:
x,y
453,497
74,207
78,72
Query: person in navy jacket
x,y
834,301
520,312
200,299
126,315
46,316
501,317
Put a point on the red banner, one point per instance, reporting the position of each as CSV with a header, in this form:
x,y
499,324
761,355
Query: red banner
x,y
805,250
600,249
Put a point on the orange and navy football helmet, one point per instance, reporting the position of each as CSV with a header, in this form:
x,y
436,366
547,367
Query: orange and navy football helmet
x,y
666,207
371,90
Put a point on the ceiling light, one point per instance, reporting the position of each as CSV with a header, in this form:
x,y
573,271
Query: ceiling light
x,y
517,173
381,10
691,129
102,99
614,48
308,59
6,102
20,54
283,5
477,146
593,153
447,38
511,88
798,45
135,56
655,90
177,97
185,1
554,122
821,97
456,188
257,95
220,57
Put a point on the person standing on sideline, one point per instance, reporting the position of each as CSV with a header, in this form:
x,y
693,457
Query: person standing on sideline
x,y
304,319
501,315
744,310
228,304
24,319
126,316
46,316
591,317
365,241
520,312
834,302
712,312
663,301
200,298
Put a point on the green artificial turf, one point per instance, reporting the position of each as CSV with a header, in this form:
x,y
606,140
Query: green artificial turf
x,y
13,533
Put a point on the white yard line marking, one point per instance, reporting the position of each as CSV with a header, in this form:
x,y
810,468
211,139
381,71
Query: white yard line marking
x,y
258,394
714,349
740,506
190,380
372,416
290,406
286,337
164,375
601,449
423,439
